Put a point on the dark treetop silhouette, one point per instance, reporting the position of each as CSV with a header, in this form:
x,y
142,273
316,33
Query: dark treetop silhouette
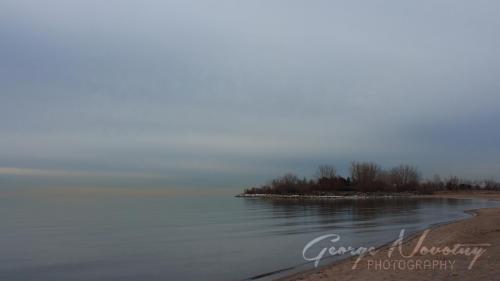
x,y
367,177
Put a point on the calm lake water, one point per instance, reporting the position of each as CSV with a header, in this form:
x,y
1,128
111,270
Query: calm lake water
x,y
191,237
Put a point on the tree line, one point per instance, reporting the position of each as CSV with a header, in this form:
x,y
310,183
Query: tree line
x,y
367,177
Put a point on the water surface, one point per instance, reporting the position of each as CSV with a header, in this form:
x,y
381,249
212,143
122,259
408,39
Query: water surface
x,y
164,236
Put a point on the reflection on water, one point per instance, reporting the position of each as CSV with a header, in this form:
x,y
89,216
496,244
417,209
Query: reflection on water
x,y
191,237
316,215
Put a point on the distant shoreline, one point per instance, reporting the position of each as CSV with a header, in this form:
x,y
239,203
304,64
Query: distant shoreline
x,y
472,194
333,196
366,179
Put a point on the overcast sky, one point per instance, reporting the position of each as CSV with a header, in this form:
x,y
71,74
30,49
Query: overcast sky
x,y
232,93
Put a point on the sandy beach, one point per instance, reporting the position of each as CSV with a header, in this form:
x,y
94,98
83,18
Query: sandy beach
x,y
480,232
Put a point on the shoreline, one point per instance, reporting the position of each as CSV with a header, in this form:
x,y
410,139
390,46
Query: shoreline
x,y
333,196
467,228
473,194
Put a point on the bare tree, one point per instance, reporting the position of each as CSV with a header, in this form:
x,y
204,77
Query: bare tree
x,y
405,177
452,183
288,183
326,171
365,175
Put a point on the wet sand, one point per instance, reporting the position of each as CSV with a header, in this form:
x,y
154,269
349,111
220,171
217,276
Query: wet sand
x,y
481,232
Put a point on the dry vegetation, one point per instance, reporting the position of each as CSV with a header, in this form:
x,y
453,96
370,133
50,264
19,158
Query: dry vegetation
x,y
368,177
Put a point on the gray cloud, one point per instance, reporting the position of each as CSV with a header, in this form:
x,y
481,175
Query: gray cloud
x,y
234,92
